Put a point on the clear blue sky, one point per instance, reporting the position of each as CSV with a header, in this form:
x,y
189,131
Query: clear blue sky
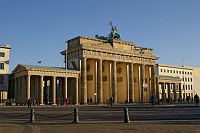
x,y
37,29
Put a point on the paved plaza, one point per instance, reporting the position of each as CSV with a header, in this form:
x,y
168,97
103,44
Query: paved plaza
x,y
110,120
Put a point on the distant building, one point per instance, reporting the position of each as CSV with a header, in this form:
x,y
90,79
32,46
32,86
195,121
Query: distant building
x,y
4,71
196,80
175,82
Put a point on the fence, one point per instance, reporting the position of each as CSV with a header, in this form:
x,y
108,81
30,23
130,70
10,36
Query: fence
x,y
31,115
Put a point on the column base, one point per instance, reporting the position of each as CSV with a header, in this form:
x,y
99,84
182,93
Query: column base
x,y
54,104
41,104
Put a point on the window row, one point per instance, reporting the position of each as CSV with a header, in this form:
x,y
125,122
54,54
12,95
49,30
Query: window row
x,y
187,87
187,79
175,71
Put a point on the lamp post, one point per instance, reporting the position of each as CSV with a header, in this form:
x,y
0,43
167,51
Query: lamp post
x,y
141,50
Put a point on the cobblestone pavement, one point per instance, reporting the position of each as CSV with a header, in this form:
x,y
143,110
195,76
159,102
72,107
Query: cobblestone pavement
x,y
139,127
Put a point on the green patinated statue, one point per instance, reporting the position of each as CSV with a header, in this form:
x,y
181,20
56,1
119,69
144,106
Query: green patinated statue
x,y
113,35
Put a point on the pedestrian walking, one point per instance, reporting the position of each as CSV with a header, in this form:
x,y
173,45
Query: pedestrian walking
x,y
152,100
196,99
29,102
111,101
67,101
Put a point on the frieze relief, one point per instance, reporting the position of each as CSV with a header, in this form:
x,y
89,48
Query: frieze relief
x,y
126,58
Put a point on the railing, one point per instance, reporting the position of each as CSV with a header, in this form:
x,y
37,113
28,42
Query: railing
x,y
75,114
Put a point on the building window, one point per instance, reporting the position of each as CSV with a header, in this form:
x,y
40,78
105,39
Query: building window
x,y
160,70
167,71
191,87
188,79
191,79
186,87
170,71
185,79
190,73
164,70
179,72
183,87
174,71
2,54
2,66
1,79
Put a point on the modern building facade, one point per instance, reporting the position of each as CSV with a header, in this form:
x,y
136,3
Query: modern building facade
x,y
96,69
4,71
175,82
196,79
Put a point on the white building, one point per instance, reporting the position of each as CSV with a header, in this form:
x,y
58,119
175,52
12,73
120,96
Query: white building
x,y
196,80
4,71
185,74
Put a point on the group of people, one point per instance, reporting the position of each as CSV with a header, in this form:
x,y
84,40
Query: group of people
x,y
30,102
61,101
155,101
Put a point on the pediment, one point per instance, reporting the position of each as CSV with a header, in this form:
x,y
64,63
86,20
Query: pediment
x,y
18,68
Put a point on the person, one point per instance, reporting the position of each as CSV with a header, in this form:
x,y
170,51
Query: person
x,y
58,101
196,99
126,101
67,101
29,102
34,101
130,100
90,100
152,99
111,101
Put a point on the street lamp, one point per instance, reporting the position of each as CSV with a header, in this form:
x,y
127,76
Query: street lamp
x,y
143,86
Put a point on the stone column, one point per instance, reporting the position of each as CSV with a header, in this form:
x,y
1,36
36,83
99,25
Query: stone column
x,y
114,81
180,92
19,89
175,97
142,82
84,80
127,83
23,90
169,91
16,90
41,91
163,91
131,83
28,95
65,87
99,82
76,90
53,90
157,89
153,79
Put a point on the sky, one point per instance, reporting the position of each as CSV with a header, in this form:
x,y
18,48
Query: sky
x,y
37,29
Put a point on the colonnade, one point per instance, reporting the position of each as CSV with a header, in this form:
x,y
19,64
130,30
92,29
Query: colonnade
x,y
169,92
45,89
136,76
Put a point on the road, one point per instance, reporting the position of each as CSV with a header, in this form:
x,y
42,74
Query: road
x,y
106,114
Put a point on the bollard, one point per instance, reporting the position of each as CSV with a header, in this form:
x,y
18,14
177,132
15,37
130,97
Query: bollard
x,y
32,117
126,116
76,118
